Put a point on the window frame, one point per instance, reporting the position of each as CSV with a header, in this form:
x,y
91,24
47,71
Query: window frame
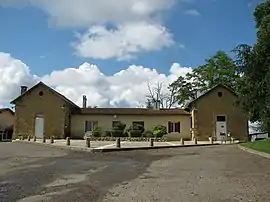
x,y
174,127
89,125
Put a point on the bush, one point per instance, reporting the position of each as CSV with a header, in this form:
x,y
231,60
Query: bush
x,y
119,130
119,133
138,127
135,130
159,131
135,133
148,133
119,126
107,133
97,132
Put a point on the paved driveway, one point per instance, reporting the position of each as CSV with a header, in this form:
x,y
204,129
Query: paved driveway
x,y
30,172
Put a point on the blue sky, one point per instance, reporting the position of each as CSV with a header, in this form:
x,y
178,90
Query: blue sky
x,y
220,25
111,52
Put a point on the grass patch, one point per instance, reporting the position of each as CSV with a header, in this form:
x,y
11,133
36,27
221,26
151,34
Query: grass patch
x,y
261,145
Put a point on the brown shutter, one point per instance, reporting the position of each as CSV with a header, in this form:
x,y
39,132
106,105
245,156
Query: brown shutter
x,y
170,127
177,127
85,126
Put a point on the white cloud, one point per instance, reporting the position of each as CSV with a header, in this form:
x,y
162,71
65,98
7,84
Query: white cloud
x,y
121,43
85,13
192,12
126,88
13,73
136,25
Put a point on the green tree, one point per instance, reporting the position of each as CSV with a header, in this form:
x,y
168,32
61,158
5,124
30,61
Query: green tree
x,y
185,90
254,88
218,69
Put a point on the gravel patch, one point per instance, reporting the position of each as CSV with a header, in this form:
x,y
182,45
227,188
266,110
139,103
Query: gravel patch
x,y
31,172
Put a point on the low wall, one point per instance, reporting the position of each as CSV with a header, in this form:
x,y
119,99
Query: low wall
x,y
131,139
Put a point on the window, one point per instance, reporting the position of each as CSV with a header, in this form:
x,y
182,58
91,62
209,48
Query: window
x,y
221,118
219,94
115,123
89,125
174,127
40,93
136,123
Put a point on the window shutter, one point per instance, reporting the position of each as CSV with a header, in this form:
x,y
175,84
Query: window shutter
x,y
170,127
85,126
177,127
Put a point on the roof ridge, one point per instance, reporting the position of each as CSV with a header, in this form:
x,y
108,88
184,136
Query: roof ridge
x,y
51,89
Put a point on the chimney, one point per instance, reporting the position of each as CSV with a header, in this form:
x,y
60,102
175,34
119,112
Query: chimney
x,y
23,89
156,104
84,101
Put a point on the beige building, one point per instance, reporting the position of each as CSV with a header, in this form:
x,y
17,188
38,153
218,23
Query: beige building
x,y
43,112
7,118
216,113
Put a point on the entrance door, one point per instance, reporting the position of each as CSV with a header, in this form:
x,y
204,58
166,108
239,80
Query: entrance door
x,y
39,127
3,135
221,127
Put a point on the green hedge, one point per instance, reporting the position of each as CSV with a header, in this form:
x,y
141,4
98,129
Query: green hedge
x,y
135,133
119,133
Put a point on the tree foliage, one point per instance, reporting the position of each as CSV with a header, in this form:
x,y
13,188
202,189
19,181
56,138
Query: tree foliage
x,y
218,69
254,88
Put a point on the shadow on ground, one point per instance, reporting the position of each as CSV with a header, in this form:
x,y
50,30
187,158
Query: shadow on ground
x,y
26,174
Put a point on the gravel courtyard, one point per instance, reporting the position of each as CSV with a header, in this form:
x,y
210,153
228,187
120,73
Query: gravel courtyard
x,y
31,172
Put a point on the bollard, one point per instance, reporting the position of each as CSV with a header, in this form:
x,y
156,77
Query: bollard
x,y
211,140
232,139
87,142
151,142
44,140
52,139
195,141
68,141
182,141
29,138
118,144
35,139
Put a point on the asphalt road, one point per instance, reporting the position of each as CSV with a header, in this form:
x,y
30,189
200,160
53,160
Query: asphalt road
x,y
30,172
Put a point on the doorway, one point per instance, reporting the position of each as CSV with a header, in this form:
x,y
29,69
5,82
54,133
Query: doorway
x,y
39,126
221,127
3,135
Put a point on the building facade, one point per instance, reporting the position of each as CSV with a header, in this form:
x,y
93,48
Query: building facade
x,y
7,118
216,113
43,112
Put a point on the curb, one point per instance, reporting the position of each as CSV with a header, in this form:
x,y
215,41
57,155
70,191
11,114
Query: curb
x,y
252,151
83,149
107,150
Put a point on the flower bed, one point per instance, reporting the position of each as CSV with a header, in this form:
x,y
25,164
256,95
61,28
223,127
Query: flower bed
x,y
131,139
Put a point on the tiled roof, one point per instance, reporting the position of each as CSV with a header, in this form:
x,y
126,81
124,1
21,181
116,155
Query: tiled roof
x,y
132,111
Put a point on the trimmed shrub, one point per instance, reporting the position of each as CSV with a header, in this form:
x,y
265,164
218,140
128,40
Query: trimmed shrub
x,y
135,133
135,130
138,127
148,133
119,126
97,132
159,131
119,133
119,130
107,134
